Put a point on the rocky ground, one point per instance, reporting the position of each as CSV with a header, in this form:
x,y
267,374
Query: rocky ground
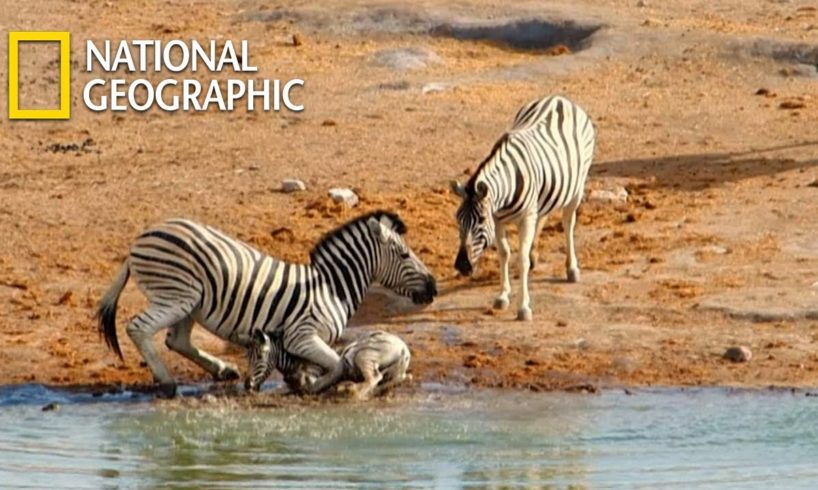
x,y
706,115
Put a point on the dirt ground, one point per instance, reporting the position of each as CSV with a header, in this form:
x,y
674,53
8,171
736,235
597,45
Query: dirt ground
x,y
715,246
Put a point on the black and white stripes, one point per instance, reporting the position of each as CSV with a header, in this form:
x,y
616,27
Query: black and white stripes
x,y
539,165
191,272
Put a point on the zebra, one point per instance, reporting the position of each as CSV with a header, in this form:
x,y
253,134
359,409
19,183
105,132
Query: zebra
x,y
539,165
375,362
192,272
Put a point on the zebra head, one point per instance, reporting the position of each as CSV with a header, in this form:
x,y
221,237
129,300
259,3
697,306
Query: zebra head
x,y
261,359
399,269
476,223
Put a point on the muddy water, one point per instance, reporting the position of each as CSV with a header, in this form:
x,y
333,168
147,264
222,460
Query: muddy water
x,y
435,439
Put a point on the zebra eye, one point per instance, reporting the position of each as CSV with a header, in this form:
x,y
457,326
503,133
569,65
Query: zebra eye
x,y
404,255
481,220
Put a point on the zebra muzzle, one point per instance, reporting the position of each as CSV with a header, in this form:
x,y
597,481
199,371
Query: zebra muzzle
x,y
462,263
429,292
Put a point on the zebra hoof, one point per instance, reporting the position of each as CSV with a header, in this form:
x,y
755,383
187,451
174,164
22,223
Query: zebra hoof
x,y
524,315
573,275
166,390
227,373
500,303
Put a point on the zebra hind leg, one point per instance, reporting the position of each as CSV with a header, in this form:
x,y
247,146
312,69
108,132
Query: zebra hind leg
x,y
178,340
372,376
142,329
569,221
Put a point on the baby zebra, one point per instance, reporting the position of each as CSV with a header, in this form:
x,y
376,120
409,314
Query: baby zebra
x,y
375,362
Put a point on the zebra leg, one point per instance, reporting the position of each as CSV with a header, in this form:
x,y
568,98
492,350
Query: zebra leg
x,y
504,252
532,257
528,230
178,340
569,221
142,329
372,376
313,349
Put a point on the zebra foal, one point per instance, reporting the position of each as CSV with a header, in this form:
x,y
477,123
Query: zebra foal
x,y
192,272
537,166
375,362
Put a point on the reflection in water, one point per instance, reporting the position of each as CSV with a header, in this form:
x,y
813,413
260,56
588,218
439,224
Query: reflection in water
x,y
465,440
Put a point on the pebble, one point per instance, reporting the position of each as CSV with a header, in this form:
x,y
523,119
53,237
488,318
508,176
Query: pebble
x,y
51,407
297,40
433,87
344,196
738,354
618,194
292,185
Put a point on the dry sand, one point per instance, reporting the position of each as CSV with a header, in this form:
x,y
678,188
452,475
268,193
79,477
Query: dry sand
x,y
716,245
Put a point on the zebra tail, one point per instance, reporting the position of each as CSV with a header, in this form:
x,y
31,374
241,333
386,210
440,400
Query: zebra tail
x,y
106,312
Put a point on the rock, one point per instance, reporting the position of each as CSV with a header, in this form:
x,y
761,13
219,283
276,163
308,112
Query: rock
x,y
51,407
765,92
344,196
433,87
641,4
292,185
618,194
401,85
792,104
406,58
738,354
297,40
329,123
714,249
582,344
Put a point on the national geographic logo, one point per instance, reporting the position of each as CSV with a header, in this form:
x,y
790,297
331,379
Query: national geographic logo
x,y
64,40
140,94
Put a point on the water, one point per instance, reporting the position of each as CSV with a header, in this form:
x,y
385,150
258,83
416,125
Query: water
x,y
435,439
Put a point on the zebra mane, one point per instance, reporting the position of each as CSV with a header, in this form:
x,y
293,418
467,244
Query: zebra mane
x,y
494,149
397,224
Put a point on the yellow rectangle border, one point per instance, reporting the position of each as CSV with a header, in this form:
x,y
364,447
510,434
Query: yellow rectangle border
x,y
64,38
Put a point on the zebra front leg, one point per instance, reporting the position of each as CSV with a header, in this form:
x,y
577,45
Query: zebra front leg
x,y
569,221
178,340
504,252
313,349
142,329
528,230
372,376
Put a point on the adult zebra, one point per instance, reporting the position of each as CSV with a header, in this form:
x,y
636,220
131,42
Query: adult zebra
x,y
191,272
537,166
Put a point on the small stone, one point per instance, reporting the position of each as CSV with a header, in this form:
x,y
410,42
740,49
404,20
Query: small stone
x,y
297,40
641,4
738,354
292,185
433,87
562,323
583,344
765,92
344,196
51,407
715,249
792,104
329,123
618,194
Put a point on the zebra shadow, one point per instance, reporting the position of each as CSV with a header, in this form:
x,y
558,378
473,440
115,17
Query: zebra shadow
x,y
700,171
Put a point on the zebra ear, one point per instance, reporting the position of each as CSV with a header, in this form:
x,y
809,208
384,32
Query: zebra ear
x,y
457,188
481,190
259,336
376,228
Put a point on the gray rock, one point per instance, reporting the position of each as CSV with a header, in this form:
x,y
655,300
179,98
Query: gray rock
x,y
51,407
343,196
406,58
617,194
433,87
292,185
738,354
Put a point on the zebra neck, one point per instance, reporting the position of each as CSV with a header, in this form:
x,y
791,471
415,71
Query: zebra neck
x,y
347,268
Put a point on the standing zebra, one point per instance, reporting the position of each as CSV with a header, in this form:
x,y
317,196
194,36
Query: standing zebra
x,y
539,165
191,272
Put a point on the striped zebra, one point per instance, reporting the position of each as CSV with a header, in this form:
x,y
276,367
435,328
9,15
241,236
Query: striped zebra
x,y
375,362
191,272
539,165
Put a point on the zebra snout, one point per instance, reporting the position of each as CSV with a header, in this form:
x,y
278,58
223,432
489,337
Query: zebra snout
x,y
431,286
462,263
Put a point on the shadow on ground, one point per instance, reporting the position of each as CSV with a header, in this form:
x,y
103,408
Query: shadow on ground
x,y
701,171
